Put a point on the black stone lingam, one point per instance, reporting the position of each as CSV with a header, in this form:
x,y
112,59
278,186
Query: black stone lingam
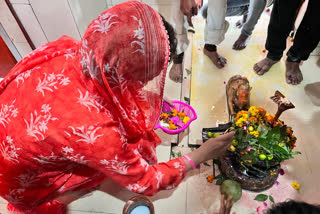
x,y
255,178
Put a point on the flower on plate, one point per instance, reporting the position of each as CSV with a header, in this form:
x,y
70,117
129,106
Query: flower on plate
x,y
164,116
174,112
295,185
186,120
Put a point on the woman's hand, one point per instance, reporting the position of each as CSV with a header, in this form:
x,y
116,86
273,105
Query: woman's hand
x,y
225,205
212,149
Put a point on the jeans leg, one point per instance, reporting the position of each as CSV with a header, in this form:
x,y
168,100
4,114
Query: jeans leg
x,y
308,34
280,25
256,8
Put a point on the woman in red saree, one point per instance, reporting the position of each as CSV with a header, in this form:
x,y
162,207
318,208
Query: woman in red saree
x,y
73,113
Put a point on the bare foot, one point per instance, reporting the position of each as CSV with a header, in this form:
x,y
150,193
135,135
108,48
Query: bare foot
x,y
176,73
293,73
263,66
216,59
241,42
241,22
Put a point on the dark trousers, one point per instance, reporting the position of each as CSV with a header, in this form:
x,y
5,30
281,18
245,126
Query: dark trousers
x,y
281,23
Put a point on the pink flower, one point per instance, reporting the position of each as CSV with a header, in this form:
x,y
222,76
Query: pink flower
x,y
249,148
277,183
265,204
244,127
258,208
247,122
281,171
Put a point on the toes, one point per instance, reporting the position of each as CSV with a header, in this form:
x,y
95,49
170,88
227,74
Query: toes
x,y
256,68
223,60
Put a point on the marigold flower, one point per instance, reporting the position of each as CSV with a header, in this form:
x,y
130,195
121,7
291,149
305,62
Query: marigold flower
x,y
240,113
255,133
174,112
269,117
210,178
181,114
245,116
281,144
240,122
172,126
295,185
186,120
251,119
164,116
253,111
262,111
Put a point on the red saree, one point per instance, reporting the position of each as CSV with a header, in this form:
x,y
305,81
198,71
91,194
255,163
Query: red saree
x,y
73,113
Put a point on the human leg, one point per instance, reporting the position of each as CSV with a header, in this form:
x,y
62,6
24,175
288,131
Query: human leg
x,y
216,27
256,8
305,41
280,25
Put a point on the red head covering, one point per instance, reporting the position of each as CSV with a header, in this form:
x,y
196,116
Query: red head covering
x,y
125,51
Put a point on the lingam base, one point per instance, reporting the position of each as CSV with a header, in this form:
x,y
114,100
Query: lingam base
x,y
248,182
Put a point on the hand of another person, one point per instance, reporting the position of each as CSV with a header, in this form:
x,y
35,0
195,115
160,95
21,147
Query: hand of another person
x,y
225,205
189,8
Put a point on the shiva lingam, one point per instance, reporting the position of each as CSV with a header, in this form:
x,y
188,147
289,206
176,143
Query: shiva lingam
x,y
259,176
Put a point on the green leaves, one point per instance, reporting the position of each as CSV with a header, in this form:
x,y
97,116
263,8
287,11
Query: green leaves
x,y
187,100
220,179
271,198
261,197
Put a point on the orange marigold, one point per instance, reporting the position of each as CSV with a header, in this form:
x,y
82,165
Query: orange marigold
x,y
262,111
210,178
251,119
289,131
269,117
240,113
181,114
174,112
164,116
